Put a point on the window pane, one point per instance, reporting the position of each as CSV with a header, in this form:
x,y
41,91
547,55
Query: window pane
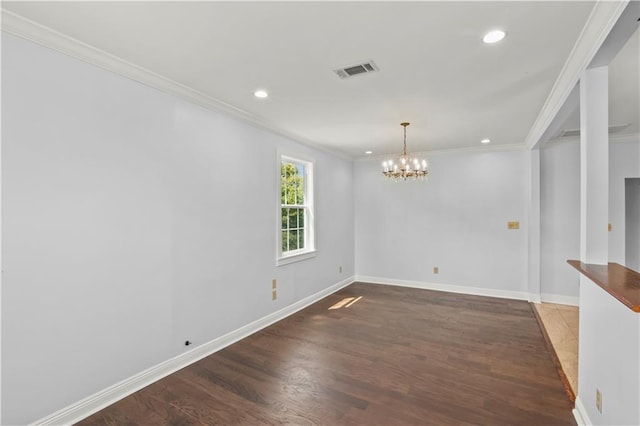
x,y
301,219
301,238
293,218
285,241
293,240
300,189
292,182
283,186
285,219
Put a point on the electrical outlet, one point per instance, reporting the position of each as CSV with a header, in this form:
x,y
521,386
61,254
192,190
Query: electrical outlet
x,y
273,284
274,294
513,225
340,269
599,400
436,270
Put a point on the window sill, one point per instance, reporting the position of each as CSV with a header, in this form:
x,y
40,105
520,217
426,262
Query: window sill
x,y
285,260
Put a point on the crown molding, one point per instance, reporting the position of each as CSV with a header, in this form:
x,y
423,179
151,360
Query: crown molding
x,y
602,19
22,27
600,22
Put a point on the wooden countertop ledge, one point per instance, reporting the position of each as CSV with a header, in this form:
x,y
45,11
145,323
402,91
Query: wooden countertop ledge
x,y
620,282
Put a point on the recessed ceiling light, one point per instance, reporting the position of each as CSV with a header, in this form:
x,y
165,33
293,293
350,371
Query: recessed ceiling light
x,y
368,152
493,36
260,94
485,141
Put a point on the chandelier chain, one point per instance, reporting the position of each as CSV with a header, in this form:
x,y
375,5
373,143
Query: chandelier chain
x,y
404,149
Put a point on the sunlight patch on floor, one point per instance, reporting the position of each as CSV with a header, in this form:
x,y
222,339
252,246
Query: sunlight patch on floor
x,y
345,303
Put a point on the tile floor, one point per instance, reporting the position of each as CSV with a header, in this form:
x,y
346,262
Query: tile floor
x,y
561,323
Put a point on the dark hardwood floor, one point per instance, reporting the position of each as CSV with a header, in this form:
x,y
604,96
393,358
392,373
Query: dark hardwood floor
x,y
397,356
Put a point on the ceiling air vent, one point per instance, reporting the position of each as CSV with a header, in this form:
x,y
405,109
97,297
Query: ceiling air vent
x,y
353,70
576,132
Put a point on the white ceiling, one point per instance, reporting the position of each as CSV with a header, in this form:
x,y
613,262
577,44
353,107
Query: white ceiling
x,y
624,92
434,69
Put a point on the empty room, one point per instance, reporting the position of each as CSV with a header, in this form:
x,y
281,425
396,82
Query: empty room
x,y
320,212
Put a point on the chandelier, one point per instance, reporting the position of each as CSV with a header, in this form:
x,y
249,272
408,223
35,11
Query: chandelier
x,y
405,167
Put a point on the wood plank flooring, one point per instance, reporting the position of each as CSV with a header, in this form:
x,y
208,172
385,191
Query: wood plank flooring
x,y
398,356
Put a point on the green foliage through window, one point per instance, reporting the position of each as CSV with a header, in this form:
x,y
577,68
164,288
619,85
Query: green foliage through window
x,y
292,180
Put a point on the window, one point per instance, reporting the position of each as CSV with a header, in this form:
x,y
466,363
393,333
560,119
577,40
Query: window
x,y
296,219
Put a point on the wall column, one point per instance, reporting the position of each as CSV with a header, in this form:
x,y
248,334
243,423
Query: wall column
x,y
534,265
594,166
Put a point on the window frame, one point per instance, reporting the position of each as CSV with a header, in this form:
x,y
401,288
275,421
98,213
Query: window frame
x,y
284,258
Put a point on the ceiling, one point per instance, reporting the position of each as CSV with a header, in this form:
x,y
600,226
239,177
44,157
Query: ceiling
x,y
434,70
624,94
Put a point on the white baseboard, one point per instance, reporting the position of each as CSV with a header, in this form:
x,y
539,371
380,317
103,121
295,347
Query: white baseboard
x,y
478,291
84,408
580,414
560,299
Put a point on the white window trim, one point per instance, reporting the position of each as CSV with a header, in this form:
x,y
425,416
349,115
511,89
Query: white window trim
x,y
310,241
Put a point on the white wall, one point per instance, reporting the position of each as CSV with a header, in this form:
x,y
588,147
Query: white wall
x,y
623,163
457,220
560,220
609,353
127,228
632,222
560,212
